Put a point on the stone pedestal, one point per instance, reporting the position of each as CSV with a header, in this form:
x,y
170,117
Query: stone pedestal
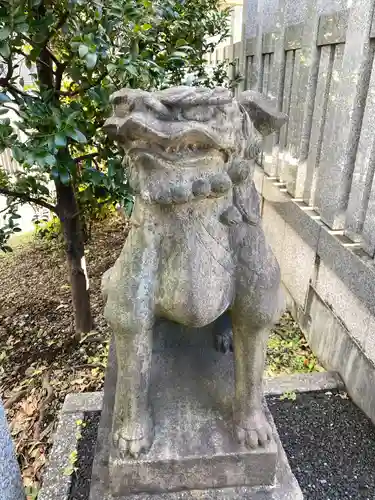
x,y
194,454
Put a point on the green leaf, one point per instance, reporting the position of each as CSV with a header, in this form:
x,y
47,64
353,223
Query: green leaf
x,y
130,68
55,173
181,42
64,176
111,67
22,28
91,59
43,189
179,53
4,50
146,26
95,176
77,135
60,140
5,32
83,50
17,153
50,160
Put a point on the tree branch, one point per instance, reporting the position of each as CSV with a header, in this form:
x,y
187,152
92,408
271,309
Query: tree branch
x,y
8,207
59,25
85,157
52,56
38,60
41,46
19,51
13,109
58,76
9,70
16,92
27,198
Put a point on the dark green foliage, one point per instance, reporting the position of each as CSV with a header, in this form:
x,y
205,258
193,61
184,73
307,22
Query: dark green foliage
x,y
48,230
78,53
9,225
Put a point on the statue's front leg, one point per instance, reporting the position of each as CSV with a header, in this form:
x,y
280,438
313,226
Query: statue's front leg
x,y
130,312
251,426
256,307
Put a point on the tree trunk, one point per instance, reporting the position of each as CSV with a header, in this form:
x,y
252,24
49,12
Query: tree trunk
x,y
67,208
68,212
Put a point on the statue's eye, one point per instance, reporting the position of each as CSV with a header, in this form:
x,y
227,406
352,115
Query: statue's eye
x,y
123,109
198,114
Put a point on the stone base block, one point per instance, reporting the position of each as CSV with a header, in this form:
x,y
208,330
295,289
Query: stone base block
x,y
194,454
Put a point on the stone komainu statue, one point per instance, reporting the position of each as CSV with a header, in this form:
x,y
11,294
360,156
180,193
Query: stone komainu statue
x,y
196,248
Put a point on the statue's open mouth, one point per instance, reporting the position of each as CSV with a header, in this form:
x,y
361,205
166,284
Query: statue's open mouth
x,y
169,141
180,151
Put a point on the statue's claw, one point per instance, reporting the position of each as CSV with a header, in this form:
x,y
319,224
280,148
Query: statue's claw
x,y
254,430
128,446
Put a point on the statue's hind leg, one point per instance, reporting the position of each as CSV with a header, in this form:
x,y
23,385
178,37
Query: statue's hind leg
x,y
255,308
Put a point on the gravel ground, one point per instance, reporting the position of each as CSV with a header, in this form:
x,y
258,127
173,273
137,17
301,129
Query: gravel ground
x,y
80,488
330,444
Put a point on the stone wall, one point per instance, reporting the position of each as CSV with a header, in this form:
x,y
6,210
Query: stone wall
x,y
315,58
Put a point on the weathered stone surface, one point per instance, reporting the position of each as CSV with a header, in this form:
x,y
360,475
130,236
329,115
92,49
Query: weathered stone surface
x,y
275,89
193,446
338,351
293,36
250,17
303,382
57,476
320,190
357,274
87,401
10,478
330,287
338,165
333,27
309,67
190,392
296,11
196,248
270,10
315,125
287,96
360,217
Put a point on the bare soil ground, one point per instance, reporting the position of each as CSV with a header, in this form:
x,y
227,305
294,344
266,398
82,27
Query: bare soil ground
x,y
42,360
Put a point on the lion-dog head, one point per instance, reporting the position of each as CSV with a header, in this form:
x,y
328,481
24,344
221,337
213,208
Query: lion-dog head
x,y
187,143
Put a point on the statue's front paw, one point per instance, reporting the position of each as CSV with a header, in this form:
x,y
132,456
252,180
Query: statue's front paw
x,y
130,446
254,430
